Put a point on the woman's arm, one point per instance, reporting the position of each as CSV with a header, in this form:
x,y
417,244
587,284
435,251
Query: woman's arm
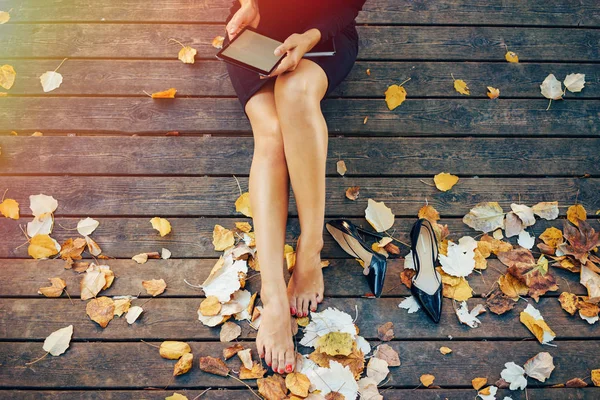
x,y
338,15
248,14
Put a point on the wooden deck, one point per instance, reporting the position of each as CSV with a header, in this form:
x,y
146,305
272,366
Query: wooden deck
x,y
104,154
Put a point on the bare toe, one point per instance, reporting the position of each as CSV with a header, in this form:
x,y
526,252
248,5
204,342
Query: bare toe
x,y
281,363
299,307
319,297
305,303
313,304
293,305
290,361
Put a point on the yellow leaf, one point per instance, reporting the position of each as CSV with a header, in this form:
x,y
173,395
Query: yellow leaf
x,y
58,284
122,306
478,383
576,212
222,238
568,302
511,57
42,246
217,42
444,181
297,383
242,204
256,372
7,76
335,343
394,96
445,350
427,379
303,321
187,54
341,167
512,287
10,208
172,350
162,225
243,226
461,86
460,292
210,306
166,94
37,134
538,326
429,213
176,396
596,377
101,310
183,365
368,71
493,93
480,261
154,286
4,17
552,237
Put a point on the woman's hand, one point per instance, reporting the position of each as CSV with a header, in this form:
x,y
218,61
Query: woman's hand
x,y
295,46
247,15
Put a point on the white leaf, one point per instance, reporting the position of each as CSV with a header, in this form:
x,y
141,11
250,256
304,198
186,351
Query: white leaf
x,y
243,298
226,280
546,209
491,396
324,322
539,367
246,358
589,320
363,345
410,304
41,225
377,369
524,213
574,82
133,314
92,282
548,336
230,331
58,341
165,254
460,258
336,378
51,80
85,227
485,217
41,203
367,387
379,215
591,281
525,240
512,224
551,88
469,318
513,374
409,262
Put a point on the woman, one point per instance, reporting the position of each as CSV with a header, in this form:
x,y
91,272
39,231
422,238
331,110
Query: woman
x,y
290,141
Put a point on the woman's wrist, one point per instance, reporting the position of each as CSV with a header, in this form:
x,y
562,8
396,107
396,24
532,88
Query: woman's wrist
x,y
313,35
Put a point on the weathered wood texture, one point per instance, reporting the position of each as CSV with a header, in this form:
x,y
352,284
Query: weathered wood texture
x,y
124,237
211,115
206,155
215,196
460,43
138,365
463,12
209,78
27,276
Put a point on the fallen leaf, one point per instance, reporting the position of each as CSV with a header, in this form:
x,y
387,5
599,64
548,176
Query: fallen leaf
x,y
460,258
379,215
568,302
176,396
445,181
341,167
4,17
101,310
72,249
222,238
596,377
187,54
533,274
336,343
162,225
496,246
336,376
7,72
514,374
461,86
591,281
485,217
377,369
255,372
92,282
214,366
231,351
534,321
173,350
51,80
478,383
10,208
576,213
242,204
394,96
367,387
459,292
183,365
499,303
552,237
165,254
217,42
230,331
387,353
165,94
525,240
297,383
352,192
429,213
445,350
493,93
574,83
410,304
385,332
86,226
511,57
58,341
467,317
582,240
154,287
56,288
539,367
551,88
210,306
224,279
140,258
547,210
576,383
133,314
42,247
93,247
121,305
512,287
272,388
427,379
355,361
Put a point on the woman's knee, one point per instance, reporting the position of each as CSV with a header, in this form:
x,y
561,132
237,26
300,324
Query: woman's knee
x,y
306,85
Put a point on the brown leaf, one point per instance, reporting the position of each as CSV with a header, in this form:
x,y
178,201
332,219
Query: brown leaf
x,y
386,331
406,277
232,351
72,248
58,285
335,396
512,287
582,240
388,354
297,383
355,361
576,383
525,269
256,372
391,248
101,310
230,331
155,286
272,387
183,365
214,366
497,246
499,303
352,192
568,302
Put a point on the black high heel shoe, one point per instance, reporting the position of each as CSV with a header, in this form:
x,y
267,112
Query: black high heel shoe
x,y
349,237
427,282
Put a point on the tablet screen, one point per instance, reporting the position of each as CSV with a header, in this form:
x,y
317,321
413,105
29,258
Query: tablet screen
x,y
253,49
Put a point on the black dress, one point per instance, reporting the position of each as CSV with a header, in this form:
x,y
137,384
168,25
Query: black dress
x,y
281,18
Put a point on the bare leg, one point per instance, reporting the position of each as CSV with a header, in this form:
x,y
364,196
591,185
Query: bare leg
x,y
298,95
269,196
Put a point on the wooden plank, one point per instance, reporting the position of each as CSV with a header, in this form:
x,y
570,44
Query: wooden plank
x,y
376,42
465,12
194,115
192,237
202,155
122,364
428,79
216,196
33,319
27,276
239,394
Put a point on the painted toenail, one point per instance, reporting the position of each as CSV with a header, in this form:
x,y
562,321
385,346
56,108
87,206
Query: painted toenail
x,y
293,310
269,364
280,370
288,368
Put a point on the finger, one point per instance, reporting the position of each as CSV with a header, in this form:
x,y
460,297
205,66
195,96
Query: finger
x,y
285,65
286,46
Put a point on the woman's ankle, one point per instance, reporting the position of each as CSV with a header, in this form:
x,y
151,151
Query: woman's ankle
x,y
310,243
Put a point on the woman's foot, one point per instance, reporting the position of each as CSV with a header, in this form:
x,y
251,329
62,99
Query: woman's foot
x,y
274,340
305,288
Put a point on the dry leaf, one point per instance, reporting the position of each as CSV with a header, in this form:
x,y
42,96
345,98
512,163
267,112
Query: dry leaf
x,y
56,288
183,365
461,86
50,80
92,282
576,383
445,181
546,209
231,351
467,317
485,217
162,225
230,331
355,361
173,350
568,302
4,17
297,383
387,353
551,88
165,94
133,314
187,54
154,287
493,93
272,388
574,82
512,287
427,379
246,358
335,343
595,377
86,226
511,57
394,96
303,321
7,74
222,238
514,374
101,310
386,331
352,192
539,367
217,42
460,292
58,341
460,258
341,167
210,306
93,247
10,208
428,212
214,366
140,258
445,350
254,372
165,254
379,215
377,369
552,237
242,204
499,303
575,213
534,321
478,383
121,305
42,247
